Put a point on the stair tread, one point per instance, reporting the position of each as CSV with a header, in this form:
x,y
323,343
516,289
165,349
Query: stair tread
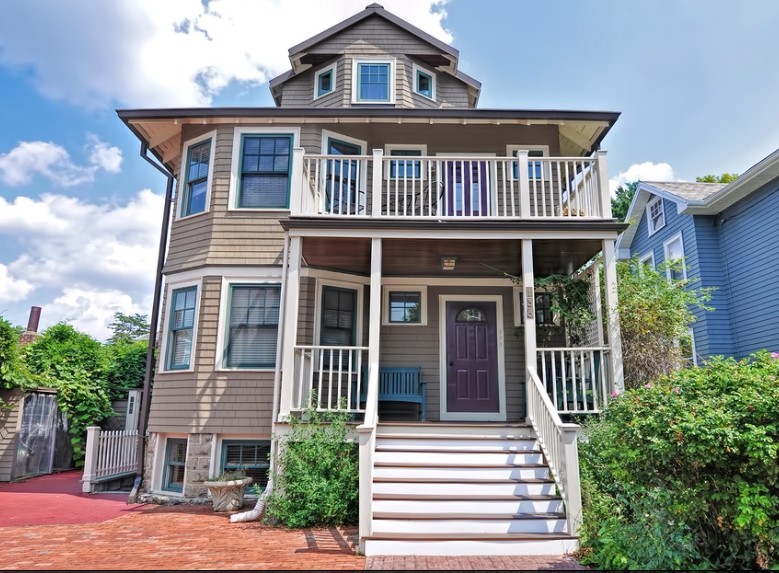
x,y
483,437
469,536
405,515
492,425
464,481
400,450
463,497
405,464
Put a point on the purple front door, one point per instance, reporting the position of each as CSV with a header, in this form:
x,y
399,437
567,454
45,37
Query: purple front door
x,y
471,357
466,187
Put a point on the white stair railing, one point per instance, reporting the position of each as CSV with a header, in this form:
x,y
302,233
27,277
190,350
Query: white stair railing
x,y
558,442
367,447
108,454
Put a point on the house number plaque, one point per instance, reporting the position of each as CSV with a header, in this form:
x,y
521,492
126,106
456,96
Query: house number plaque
x,y
529,306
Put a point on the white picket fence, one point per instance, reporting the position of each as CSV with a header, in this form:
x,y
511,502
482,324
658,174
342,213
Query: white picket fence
x,y
109,454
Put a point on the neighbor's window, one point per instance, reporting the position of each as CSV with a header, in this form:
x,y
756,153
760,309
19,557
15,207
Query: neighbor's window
x,y
374,82
175,462
324,81
250,456
424,83
656,218
265,171
193,199
253,326
182,322
675,269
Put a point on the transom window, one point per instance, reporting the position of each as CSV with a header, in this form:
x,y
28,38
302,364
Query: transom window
x,y
196,176
253,326
656,220
249,456
373,82
182,321
324,81
471,315
265,171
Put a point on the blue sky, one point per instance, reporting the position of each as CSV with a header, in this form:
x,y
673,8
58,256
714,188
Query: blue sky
x,y
696,82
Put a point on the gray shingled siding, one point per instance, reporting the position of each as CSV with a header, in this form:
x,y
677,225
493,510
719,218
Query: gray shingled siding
x,y
9,422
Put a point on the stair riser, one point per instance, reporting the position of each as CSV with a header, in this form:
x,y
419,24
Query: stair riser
x,y
456,489
455,527
458,430
424,507
463,548
456,445
461,473
456,458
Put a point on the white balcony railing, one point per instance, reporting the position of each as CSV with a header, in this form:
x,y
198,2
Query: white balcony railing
x,y
575,379
463,187
334,374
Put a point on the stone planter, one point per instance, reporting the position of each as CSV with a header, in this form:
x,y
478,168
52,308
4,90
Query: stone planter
x,y
227,495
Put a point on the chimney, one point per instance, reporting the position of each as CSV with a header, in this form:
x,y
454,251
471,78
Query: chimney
x,y
31,333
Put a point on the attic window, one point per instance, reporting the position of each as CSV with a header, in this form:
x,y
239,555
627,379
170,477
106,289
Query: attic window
x,y
656,218
373,81
324,81
424,82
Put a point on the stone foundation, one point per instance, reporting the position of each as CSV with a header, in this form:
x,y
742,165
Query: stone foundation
x,y
198,464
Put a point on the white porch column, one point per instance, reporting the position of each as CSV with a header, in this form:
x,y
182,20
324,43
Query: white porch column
x,y
298,201
378,164
290,327
529,308
524,183
603,185
374,329
612,317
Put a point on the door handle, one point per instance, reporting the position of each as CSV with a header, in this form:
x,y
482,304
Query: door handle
x,y
451,363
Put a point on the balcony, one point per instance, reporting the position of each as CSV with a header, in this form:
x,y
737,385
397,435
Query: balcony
x,y
451,188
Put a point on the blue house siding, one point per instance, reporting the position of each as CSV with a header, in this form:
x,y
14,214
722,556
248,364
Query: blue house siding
x,y
715,337
750,237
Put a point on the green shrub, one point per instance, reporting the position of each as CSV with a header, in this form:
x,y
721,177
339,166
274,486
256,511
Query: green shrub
x,y
683,472
316,481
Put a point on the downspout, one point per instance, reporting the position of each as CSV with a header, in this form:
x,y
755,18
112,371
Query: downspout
x,y
259,508
143,418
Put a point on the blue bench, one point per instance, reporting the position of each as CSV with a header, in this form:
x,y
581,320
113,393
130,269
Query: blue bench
x,y
398,384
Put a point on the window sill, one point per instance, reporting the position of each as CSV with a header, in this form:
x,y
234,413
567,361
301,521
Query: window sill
x,y
192,216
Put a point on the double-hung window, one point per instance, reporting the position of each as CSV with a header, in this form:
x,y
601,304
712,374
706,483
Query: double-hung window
x,y
175,463
339,320
266,163
536,169
656,215
195,187
253,326
675,268
543,308
182,323
405,168
373,82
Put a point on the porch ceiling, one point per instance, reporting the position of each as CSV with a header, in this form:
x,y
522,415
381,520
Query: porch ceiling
x,y
422,257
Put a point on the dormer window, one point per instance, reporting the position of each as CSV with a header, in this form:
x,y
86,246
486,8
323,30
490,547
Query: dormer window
x,y
324,81
424,82
373,81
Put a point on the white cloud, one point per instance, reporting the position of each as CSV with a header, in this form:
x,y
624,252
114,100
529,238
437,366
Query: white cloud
x,y
11,289
52,161
172,53
646,171
91,259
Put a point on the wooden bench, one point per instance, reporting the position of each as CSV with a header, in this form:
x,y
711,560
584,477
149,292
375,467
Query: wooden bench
x,y
398,384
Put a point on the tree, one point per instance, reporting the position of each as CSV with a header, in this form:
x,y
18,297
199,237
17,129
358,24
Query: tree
x,y
724,178
620,203
655,316
129,327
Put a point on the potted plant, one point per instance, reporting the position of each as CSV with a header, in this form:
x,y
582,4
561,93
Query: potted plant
x,y
227,490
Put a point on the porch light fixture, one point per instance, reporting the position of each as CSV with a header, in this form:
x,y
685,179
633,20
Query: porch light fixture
x,y
447,263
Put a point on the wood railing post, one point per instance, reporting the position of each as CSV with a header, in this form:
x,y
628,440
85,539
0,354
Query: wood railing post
x,y
524,183
297,200
375,195
603,185
90,460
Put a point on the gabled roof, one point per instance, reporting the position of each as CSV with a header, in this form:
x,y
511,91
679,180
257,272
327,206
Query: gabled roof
x,y
697,198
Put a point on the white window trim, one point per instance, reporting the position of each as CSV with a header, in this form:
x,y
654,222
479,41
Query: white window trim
x,y
183,182
239,132
421,289
421,147
170,287
355,66
511,151
158,472
320,283
215,462
332,67
414,69
499,416
649,228
650,256
666,244
224,319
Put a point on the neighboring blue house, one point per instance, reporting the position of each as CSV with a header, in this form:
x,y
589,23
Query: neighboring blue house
x,y
728,238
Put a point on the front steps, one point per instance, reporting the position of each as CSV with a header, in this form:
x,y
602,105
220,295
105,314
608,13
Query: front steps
x,y
464,489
